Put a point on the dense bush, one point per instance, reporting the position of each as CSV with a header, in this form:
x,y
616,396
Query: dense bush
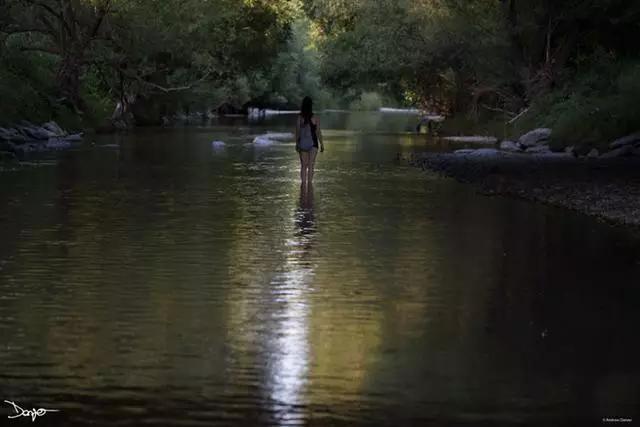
x,y
368,101
25,87
596,107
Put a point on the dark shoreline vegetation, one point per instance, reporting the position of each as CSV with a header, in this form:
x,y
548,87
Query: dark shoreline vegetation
x,y
498,68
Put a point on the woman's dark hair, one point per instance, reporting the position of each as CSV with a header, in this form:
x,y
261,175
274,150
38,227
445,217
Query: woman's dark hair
x,y
306,110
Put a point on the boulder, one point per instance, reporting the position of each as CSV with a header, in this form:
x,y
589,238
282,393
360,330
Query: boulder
x,y
19,138
271,137
280,136
593,154
581,150
571,150
633,139
539,149
121,125
510,146
262,140
24,132
26,137
57,144
255,112
534,137
54,127
7,134
36,133
28,147
472,139
480,152
621,151
75,137
551,155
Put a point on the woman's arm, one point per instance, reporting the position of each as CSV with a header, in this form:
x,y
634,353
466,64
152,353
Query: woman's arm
x,y
319,134
297,131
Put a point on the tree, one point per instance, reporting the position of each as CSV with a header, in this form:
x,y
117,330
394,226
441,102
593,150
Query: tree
x,y
64,28
153,47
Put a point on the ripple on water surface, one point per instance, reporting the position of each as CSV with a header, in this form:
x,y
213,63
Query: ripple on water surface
x,y
164,285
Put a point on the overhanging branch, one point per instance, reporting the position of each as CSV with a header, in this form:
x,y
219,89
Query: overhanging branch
x,y
171,89
48,50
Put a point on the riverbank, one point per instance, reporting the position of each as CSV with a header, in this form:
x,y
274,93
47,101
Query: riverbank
x,y
605,188
26,137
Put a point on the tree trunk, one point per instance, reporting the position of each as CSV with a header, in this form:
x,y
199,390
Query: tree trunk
x,y
69,80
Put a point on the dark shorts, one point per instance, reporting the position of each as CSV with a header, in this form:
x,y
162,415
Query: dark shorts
x,y
300,150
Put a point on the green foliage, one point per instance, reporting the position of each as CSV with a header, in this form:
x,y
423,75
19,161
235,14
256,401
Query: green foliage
x,y
425,51
487,61
478,59
22,89
595,111
368,101
163,52
295,72
592,108
27,89
99,102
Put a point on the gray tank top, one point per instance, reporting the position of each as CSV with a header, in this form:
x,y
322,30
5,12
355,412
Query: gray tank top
x,y
306,137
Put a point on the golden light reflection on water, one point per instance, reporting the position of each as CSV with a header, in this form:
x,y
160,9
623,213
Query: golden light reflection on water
x,y
290,362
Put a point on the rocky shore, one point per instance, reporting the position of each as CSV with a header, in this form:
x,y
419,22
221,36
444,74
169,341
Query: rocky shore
x,y
608,188
26,137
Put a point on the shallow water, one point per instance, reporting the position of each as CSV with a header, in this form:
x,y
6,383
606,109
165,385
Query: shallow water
x,y
162,281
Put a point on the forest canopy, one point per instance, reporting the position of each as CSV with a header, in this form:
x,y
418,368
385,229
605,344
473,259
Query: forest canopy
x,y
479,59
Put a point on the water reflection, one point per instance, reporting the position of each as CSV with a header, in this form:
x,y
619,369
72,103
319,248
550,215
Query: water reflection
x,y
169,283
290,360
305,224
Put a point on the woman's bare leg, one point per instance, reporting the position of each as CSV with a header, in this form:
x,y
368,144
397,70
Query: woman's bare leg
x,y
304,165
312,163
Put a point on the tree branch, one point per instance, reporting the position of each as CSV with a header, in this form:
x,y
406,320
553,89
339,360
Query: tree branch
x,y
170,89
102,12
50,28
45,7
48,50
19,30
69,18
520,114
497,110
59,16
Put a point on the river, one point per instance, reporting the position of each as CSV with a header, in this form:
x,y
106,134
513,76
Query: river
x,y
152,279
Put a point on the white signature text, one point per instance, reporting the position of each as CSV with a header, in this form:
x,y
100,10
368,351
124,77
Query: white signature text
x,y
33,413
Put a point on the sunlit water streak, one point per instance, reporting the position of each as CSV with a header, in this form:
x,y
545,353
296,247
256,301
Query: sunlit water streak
x,y
290,365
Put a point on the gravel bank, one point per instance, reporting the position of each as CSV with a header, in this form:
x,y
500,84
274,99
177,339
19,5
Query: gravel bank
x,y
608,189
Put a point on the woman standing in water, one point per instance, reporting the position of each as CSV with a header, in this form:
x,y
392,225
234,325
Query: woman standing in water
x,y
308,138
